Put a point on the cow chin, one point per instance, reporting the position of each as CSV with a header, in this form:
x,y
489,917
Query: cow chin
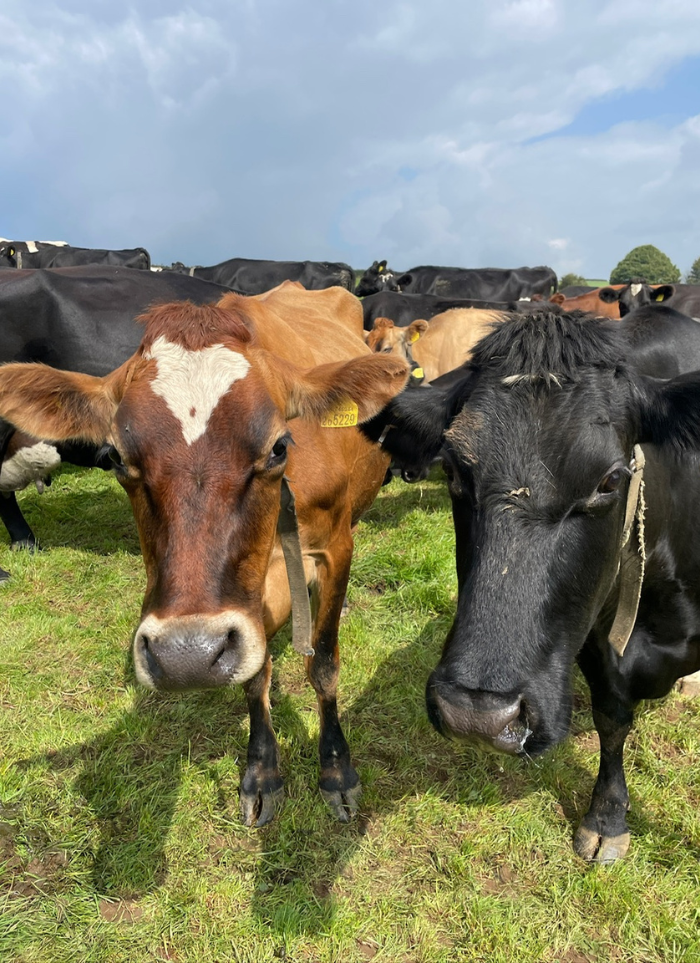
x,y
198,651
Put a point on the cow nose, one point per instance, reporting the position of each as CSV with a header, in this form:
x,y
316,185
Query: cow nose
x,y
196,653
494,720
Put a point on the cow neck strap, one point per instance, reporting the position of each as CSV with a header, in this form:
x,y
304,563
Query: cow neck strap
x,y
632,558
288,531
417,373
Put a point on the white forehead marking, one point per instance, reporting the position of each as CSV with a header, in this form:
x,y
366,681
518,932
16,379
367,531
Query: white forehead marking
x,y
192,382
635,289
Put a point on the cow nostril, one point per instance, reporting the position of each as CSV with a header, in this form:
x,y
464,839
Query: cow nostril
x,y
225,648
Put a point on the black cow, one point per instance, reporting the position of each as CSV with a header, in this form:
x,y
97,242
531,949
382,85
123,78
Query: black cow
x,y
79,319
484,284
15,250
540,439
636,294
49,255
249,276
403,309
376,278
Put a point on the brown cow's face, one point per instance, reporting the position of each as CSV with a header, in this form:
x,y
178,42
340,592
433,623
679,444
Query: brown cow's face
x,y
202,451
197,421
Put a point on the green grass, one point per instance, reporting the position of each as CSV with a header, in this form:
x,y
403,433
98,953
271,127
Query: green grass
x,y
119,831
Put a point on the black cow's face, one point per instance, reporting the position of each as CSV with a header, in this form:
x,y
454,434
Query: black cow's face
x,y
536,436
376,278
538,473
636,294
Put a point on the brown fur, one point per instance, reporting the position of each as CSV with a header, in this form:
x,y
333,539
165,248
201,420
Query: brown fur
x,y
440,345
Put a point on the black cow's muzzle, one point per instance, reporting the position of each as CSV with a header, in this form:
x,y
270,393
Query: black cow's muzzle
x,y
494,720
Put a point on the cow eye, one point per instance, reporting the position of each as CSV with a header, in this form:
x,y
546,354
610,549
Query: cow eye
x,y
612,481
279,452
115,457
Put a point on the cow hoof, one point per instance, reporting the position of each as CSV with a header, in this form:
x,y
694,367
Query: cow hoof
x,y
689,685
595,848
4,577
25,544
343,805
260,805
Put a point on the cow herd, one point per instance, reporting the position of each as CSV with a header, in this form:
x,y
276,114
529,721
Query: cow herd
x,y
569,439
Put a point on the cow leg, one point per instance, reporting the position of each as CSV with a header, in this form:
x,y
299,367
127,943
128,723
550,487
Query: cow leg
x,y
604,835
21,535
339,783
262,786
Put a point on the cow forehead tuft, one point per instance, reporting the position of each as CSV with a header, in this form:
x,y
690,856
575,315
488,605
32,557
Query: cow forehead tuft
x,y
193,382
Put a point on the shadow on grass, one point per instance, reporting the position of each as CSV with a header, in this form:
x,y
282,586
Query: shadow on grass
x,y
130,777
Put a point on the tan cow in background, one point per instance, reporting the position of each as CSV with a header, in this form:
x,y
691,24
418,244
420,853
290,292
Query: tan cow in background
x,y
438,346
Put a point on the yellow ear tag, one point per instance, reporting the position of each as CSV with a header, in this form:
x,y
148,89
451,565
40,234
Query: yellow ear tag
x,y
381,268
11,252
414,337
659,297
418,373
342,415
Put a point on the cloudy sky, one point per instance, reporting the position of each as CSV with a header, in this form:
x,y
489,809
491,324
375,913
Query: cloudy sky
x,y
463,132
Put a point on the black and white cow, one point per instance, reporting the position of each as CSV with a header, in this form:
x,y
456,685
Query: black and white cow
x,y
636,294
540,437
484,284
30,254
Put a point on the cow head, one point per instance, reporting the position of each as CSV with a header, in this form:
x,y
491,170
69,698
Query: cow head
x,y
197,424
537,438
376,278
635,294
8,256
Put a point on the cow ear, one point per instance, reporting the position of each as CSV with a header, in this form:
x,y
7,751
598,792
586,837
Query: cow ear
x,y
609,295
663,292
415,330
358,388
61,405
382,266
557,298
668,412
404,280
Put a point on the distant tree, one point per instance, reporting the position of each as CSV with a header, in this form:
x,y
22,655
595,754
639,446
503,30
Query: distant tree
x,y
569,280
646,262
693,275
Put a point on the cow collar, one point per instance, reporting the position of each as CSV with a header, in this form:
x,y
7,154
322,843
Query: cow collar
x,y
632,557
288,531
417,373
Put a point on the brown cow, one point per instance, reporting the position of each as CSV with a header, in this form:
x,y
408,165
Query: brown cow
x,y
590,302
438,346
216,405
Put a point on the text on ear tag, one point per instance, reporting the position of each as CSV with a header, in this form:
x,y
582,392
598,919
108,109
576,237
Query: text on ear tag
x,y
344,414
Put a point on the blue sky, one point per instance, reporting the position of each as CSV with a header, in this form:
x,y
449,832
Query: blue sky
x,y
498,132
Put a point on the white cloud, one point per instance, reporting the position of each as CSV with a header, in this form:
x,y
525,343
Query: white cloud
x,y
346,130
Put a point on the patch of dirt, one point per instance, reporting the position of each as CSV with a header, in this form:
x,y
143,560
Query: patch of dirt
x,y
504,882
368,948
121,911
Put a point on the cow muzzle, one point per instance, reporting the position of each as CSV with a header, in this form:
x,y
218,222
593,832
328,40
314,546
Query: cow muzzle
x,y
198,651
493,720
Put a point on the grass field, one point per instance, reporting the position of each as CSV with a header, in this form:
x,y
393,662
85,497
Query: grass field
x,y
120,839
